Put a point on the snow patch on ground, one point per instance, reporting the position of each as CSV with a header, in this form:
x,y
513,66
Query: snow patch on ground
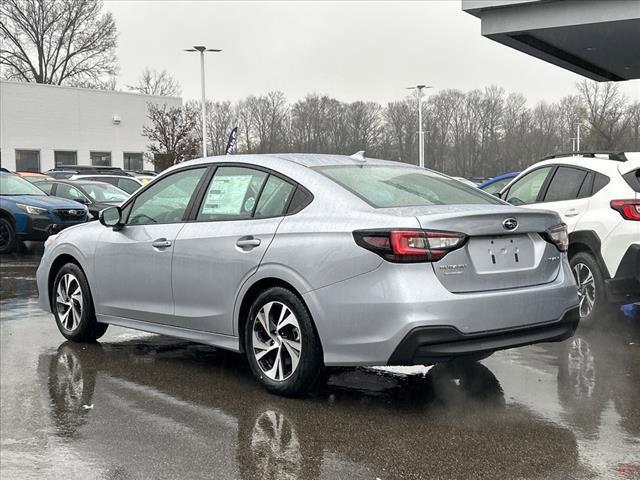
x,y
409,370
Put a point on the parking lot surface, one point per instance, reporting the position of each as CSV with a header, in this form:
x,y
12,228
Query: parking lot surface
x,y
141,406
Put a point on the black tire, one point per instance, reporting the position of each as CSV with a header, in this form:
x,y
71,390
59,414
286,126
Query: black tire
x,y
308,374
600,304
85,328
7,236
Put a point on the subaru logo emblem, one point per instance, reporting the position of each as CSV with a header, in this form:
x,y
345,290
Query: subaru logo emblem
x,y
510,224
72,212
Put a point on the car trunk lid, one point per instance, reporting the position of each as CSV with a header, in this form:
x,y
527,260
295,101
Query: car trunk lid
x,y
505,247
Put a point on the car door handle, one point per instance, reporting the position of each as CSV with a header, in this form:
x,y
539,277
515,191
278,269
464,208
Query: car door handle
x,y
248,242
161,243
571,213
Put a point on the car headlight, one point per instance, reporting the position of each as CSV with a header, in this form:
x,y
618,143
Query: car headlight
x,y
51,239
31,210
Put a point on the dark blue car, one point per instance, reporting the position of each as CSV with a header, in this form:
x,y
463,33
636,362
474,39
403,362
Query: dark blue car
x,y
497,183
27,213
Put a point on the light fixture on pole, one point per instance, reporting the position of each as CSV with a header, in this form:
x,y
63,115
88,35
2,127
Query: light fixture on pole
x,y
203,49
578,138
419,89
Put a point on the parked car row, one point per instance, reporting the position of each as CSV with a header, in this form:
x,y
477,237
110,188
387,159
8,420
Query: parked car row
x,y
34,206
28,213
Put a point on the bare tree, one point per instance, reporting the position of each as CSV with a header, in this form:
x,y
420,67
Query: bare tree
x,y
171,133
58,42
219,124
607,113
154,82
270,115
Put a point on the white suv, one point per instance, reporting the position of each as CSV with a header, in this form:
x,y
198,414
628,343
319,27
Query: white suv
x,y
597,194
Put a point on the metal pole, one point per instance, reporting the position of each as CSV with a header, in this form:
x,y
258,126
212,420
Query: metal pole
x,y
204,107
578,138
420,132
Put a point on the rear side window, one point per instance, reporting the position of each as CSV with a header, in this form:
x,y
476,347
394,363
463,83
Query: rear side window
x,y
232,194
127,185
565,184
599,183
274,198
587,185
389,186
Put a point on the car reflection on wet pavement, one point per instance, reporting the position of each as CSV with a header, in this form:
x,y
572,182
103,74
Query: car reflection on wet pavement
x,y
137,406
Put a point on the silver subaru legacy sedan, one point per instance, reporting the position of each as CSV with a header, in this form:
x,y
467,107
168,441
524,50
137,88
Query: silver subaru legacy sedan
x,y
304,261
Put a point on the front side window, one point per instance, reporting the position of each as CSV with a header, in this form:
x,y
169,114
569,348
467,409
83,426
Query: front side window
x,y
103,192
133,161
14,185
565,184
100,159
27,160
63,157
496,186
232,194
167,200
70,192
526,190
46,187
388,186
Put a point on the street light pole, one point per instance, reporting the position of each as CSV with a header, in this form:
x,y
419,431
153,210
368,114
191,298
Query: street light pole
x,y
203,49
578,139
419,89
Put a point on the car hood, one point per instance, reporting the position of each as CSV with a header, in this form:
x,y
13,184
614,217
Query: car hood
x,y
43,201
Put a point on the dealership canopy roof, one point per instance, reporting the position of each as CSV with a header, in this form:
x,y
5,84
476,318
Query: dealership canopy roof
x,y
597,39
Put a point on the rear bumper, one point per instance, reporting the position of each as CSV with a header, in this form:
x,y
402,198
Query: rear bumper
x,y
363,320
431,345
624,287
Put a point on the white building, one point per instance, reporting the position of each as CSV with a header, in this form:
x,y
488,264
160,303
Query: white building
x,y
46,125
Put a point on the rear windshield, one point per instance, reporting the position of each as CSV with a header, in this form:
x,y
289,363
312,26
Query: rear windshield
x,y
389,186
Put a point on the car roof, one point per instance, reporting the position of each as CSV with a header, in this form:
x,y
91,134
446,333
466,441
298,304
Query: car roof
x,y
602,165
273,160
80,176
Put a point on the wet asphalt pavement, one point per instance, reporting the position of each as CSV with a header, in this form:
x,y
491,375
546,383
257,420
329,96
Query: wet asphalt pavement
x,y
140,406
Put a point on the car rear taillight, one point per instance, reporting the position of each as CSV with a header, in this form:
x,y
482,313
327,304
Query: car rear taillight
x,y
629,209
559,236
409,246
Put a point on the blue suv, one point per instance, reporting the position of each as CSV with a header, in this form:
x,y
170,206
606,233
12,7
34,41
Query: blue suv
x,y
27,213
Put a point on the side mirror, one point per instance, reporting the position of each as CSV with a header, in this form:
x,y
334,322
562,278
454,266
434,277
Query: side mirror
x,y
83,200
110,217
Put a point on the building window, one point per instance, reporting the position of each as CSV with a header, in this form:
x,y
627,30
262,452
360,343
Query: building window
x,y
65,158
133,161
100,159
27,160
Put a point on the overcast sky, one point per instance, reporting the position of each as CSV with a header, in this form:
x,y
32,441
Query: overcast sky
x,y
349,50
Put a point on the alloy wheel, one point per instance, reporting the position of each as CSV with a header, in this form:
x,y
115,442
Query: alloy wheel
x,y
276,341
69,301
586,288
